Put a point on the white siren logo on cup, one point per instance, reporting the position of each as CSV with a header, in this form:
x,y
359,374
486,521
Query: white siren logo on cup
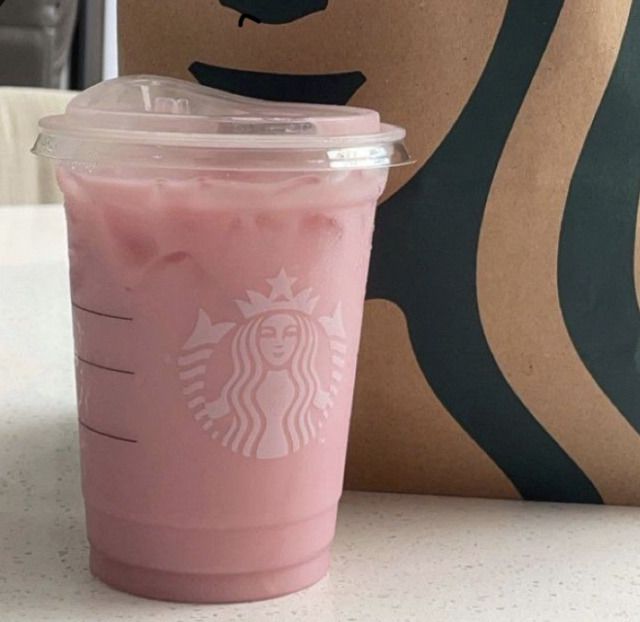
x,y
275,400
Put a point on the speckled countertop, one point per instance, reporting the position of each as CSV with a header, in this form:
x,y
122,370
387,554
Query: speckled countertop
x,y
396,557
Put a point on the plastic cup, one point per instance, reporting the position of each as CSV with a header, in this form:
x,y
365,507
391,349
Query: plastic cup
x,y
218,252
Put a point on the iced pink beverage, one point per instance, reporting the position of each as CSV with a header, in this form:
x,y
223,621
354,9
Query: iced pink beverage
x,y
217,296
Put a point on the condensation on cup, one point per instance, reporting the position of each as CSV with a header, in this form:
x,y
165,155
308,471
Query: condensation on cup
x,y
218,250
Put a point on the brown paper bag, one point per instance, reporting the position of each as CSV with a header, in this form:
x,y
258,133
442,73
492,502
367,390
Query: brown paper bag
x,y
500,349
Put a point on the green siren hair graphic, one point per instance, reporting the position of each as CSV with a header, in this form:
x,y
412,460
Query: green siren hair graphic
x,y
431,227
596,255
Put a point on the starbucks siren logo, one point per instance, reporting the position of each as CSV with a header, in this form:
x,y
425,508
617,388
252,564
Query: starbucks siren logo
x,y
275,399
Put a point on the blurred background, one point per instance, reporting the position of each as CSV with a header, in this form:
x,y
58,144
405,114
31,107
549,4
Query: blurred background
x,y
69,44
48,49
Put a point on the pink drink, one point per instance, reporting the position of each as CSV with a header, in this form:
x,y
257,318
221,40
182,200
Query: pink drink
x,y
217,315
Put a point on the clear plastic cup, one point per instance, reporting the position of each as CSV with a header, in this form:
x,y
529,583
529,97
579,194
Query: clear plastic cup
x,y
218,252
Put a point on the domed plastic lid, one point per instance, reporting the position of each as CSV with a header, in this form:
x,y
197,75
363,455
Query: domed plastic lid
x,y
149,120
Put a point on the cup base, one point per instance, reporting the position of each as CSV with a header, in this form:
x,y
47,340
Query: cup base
x,y
208,588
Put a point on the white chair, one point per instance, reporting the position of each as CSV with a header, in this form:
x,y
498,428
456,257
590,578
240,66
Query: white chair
x,y
25,178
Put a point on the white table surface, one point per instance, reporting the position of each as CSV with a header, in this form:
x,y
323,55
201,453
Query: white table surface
x,y
396,557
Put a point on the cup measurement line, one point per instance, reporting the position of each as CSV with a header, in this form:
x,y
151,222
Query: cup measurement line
x,y
114,369
111,436
101,313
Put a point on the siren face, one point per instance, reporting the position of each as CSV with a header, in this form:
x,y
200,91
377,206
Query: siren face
x,y
278,337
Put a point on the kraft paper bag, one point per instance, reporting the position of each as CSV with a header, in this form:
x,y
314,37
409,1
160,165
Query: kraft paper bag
x,y
500,350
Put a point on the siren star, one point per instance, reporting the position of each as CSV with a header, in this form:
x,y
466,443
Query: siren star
x,y
281,286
